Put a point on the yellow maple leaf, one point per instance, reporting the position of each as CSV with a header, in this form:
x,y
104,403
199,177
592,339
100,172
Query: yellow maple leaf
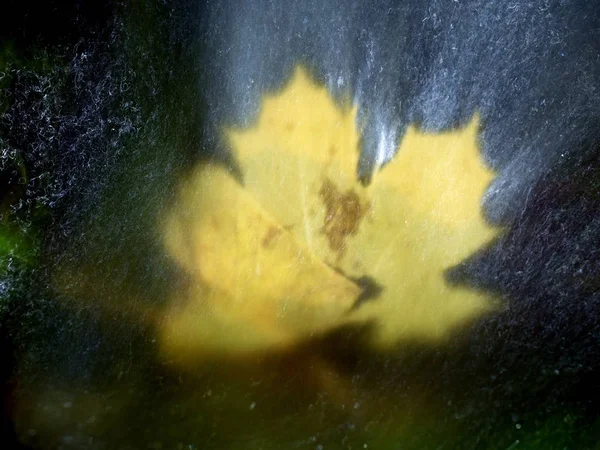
x,y
254,278
419,216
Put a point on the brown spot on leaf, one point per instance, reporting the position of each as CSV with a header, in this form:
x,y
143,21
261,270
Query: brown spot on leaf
x,y
271,236
343,213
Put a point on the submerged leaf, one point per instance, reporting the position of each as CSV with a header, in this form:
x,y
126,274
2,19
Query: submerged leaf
x,y
419,216
253,274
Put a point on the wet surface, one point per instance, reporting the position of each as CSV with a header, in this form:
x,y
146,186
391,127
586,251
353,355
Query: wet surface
x,y
103,117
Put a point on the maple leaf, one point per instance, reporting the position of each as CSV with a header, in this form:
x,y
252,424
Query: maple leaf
x,y
418,217
258,286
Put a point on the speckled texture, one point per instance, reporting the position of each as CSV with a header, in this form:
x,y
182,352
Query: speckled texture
x,y
118,106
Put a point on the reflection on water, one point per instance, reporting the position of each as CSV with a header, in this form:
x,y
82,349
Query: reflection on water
x,y
297,285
